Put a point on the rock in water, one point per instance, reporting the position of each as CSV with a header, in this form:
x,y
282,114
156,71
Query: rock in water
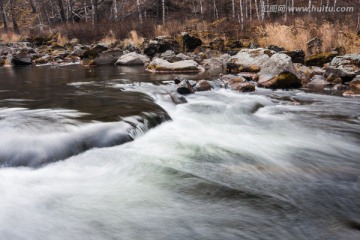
x,y
132,58
184,87
278,72
243,87
177,98
202,85
161,65
284,80
21,59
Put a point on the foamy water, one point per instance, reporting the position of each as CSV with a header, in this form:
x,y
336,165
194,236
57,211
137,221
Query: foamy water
x,y
271,165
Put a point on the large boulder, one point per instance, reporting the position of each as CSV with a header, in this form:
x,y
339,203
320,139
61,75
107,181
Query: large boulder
x,y
297,56
160,44
320,59
214,65
21,59
346,67
304,73
108,57
190,42
132,58
278,72
248,60
161,65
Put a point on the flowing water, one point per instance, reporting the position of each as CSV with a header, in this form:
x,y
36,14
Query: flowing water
x,y
104,154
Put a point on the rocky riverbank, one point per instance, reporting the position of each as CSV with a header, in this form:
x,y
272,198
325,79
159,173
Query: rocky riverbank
x,y
241,67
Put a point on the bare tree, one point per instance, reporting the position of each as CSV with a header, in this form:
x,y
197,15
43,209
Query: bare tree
x,y
241,15
115,10
3,16
216,13
139,10
33,6
163,11
233,8
310,7
257,9
13,16
61,9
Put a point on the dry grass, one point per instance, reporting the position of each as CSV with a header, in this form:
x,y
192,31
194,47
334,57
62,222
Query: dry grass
x,y
134,39
109,39
62,40
296,36
9,37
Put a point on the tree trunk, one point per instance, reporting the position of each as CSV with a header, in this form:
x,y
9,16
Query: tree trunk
x,y
242,15
250,10
163,11
216,13
62,11
257,10
310,7
201,8
95,11
139,10
13,16
33,6
115,10
233,8
3,16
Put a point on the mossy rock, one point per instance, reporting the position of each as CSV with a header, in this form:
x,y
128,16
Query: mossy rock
x,y
284,80
234,44
320,59
217,44
87,62
236,68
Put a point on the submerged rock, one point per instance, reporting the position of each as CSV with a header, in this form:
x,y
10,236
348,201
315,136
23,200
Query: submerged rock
x,y
178,98
161,65
132,58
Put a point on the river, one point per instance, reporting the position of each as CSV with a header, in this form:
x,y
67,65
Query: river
x,y
98,154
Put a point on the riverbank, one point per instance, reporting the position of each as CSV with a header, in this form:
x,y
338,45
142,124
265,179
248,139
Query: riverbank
x,y
236,65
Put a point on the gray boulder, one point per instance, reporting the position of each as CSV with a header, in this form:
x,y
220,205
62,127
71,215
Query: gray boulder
x,y
132,58
278,72
346,67
21,59
161,65
248,60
